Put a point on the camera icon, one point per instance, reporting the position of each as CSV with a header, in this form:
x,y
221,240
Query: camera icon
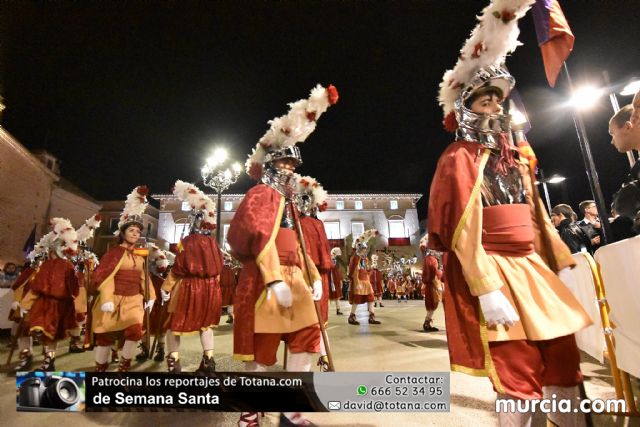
x,y
53,392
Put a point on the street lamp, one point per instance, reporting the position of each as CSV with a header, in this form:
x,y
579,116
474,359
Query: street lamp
x,y
631,88
215,176
553,179
586,95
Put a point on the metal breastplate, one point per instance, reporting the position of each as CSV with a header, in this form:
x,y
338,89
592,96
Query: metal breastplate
x,y
498,189
284,184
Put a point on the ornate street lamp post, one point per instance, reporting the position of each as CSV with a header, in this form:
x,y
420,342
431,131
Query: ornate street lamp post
x,y
219,178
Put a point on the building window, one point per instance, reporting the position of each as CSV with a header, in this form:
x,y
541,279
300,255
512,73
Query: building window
x,y
179,232
396,228
186,207
228,206
113,225
339,205
332,229
357,228
358,204
393,204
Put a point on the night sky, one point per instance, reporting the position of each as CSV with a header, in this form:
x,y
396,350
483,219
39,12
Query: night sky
x,y
129,93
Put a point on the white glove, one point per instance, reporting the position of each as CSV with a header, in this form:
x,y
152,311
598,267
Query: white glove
x,y
108,307
317,290
165,295
497,309
15,305
149,304
282,293
23,312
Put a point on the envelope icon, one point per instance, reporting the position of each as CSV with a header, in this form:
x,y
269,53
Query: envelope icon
x,y
334,406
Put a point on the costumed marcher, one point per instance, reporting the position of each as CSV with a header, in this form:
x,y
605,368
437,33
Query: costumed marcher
x,y
21,286
192,288
432,284
160,261
228,283
119,286
279,282
508,315
335,284
50,299
361,291
311,200
85,262
375,277
401,284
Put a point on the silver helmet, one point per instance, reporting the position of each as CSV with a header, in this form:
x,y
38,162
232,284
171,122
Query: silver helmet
x,y
483,128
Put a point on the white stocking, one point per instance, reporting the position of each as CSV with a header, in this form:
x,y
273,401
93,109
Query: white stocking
x,y
513,419
569,419
24,343
254,366
51,347
128,348
429,314
353,308
206,339
173,342
370,307
230,310
101,354
299,362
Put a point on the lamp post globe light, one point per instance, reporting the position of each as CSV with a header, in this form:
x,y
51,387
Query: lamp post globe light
x,y
219,178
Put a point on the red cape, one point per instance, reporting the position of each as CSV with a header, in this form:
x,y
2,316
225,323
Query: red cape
x,y
451,188
200,256
250,230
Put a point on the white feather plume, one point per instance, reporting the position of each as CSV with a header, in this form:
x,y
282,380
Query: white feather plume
x,y
493,38
197,200
87,230
66,235
134,205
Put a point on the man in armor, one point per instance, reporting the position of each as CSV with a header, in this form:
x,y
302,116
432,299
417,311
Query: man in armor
x,y
192,288
279,282
508,314
361,291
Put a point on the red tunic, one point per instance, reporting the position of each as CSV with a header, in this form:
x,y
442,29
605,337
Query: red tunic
x,y
249,233
335,282
430,273
56,285
320,253
197,266
360,290
375,277
228,282
158,315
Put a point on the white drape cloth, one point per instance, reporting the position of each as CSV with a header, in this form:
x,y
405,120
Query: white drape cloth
x,y
620,268
581,284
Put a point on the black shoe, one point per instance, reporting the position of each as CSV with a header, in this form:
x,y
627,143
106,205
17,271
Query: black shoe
x,y
75,346
173,365
159,357
352,319
207,366
144,352
230,319
323,362
372,319
375,304
114,356
381,304
49,362
24,361
428,327
338,312
300,421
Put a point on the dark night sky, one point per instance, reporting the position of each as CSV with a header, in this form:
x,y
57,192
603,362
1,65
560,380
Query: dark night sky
x,y
128,93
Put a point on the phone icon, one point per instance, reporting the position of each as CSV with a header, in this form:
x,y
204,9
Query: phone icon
x,y
362,390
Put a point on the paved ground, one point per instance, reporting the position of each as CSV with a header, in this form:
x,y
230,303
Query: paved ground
x,y
398,344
